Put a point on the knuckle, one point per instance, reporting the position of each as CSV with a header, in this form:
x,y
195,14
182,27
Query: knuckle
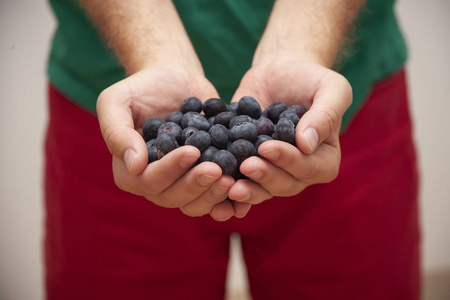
x,y
287,160
296,187
161,201
332,174
192,212
318,173
102,98
111,135
152,199
212,198
257,199
347,90
289,189
194,189
168,204
149,192
311,173
121,184
332,119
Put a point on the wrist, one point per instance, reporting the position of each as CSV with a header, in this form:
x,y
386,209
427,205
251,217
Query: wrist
x,y
142,33
174,51
308,30
176,60
280,52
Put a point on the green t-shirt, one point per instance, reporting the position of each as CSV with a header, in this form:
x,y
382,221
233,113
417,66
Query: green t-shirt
x,y
225,34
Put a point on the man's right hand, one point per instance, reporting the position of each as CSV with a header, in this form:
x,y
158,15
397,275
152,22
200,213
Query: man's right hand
x,y
150,41
169,182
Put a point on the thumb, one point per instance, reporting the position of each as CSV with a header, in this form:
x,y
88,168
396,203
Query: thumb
x,y
322,122
117,127
315,127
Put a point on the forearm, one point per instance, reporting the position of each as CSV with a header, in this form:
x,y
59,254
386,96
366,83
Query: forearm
x,y
142,32
309,29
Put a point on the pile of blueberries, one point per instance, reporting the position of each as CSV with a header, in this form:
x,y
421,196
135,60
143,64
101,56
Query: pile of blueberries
x,y
224,134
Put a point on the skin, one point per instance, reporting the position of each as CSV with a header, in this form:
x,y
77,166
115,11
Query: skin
x,y
291,64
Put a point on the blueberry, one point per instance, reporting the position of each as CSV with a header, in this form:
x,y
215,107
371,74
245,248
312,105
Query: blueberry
x,y
264,113
165,143
211,121
298,109
274,110
208,154
242,149
224,134
226,161
290,115
285,131
264,126
261,139
191,104
171,128
213,107
200,122
189,116
246,131
238,175
219,136
187,132
199,139
150,128
239,120
224,118
175,117
152,151
247,105
233,107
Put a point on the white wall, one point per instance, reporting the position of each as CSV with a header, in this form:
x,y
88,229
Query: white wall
x,y
426,24
25,29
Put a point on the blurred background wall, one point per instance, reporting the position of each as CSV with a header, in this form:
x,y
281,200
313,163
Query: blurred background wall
x,y
25,30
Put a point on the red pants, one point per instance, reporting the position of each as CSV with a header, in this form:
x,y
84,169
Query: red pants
x,y
354,238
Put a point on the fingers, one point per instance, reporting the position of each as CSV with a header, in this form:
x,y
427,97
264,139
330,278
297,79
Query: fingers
x,y
241,209
117,127
285,171
203,189
192,185
323,119
226,209
275,180
204,204
195,191
156,178
247,191
222,211
321,167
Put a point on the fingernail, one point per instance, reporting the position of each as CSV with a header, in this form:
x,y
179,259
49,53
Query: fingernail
x,y
129,158
271,154
243,211
219,217
187,160
206,180
220,191
311,137
246,198
256,175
